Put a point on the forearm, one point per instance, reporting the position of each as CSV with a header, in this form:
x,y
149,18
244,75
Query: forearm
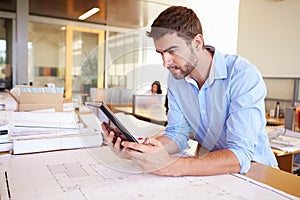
x,y
168,144
216,162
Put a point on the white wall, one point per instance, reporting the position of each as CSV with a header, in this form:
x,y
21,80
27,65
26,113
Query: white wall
x,y
220,29
269,36
219,23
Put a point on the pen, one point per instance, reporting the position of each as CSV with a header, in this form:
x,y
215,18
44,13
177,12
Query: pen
x,y
7,185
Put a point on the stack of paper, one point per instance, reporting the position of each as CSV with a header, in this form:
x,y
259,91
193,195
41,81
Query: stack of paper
x,y
5,143
63,120
286,140
5,119
46,131
289,141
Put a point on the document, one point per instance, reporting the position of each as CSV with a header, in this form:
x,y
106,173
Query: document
x,y
46,119
96,173
47,131
56,140
285,140
138,128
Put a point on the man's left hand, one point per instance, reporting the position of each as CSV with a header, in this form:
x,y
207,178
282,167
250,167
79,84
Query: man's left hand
x,y
150,156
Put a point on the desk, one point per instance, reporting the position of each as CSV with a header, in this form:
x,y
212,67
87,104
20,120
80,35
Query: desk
x,y
285,159
276,178
272,121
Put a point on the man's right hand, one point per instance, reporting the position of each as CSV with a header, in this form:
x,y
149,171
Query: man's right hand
x,y
114,144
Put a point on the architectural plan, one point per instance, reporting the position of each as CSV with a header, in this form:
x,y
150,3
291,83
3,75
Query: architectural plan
x,y
96,173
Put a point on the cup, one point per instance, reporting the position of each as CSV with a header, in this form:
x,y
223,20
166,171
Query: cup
x,y
272,113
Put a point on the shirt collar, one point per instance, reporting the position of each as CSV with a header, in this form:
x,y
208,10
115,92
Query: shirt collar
x,y
190,80
218,68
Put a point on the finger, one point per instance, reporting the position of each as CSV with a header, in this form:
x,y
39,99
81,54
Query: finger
x,y
117,145
152,141
134,154
136,146
105,130
146,141
109,138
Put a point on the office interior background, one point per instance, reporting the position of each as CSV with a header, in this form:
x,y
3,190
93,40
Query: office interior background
x,y
44,42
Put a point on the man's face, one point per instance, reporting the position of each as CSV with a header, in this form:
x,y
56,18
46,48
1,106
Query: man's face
x,y
177,56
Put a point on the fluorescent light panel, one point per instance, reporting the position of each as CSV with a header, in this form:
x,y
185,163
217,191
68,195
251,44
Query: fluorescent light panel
x,y
89,13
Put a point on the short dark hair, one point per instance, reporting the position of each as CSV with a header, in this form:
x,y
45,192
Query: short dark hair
x,y
178,19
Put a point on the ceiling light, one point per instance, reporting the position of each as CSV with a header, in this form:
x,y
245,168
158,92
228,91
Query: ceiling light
x,y
89,13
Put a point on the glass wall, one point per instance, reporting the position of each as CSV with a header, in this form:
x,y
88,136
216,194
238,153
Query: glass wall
x,y
122,58
46,54
84,63
65,56
5,53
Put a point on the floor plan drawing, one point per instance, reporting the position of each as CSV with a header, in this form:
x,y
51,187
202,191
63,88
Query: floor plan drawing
x,y
96,173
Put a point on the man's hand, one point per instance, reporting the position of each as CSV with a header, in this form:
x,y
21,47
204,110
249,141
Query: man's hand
x,y
116,147
150,156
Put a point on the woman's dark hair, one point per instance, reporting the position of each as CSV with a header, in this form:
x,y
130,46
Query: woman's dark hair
x,y
157,83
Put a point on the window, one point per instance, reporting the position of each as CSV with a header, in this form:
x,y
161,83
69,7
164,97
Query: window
x,y
5,53
46,54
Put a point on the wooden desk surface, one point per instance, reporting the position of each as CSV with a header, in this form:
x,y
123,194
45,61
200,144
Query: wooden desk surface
x,y
278,152
276,178
275,121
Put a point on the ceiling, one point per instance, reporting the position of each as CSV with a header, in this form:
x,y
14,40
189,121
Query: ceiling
x,y
121,13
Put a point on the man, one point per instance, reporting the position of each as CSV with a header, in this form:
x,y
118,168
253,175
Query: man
x,y
220,98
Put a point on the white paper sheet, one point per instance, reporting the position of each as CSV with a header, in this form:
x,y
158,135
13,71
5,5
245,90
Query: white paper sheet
x,y
96,173
46,119
284,139
138,128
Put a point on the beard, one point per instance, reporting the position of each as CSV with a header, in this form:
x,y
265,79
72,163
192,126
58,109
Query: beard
x,y
182,72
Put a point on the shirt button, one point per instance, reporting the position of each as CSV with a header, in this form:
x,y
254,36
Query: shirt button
x,y
203,111
208,129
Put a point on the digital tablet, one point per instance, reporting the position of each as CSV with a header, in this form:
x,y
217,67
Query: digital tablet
x,y
108,118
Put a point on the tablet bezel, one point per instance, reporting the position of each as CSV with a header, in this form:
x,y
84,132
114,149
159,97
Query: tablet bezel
x,y
113,119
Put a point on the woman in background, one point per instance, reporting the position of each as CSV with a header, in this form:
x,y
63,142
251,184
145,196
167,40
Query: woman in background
x,y
155,88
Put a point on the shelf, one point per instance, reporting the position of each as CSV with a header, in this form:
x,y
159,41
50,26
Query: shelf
x,y
276,99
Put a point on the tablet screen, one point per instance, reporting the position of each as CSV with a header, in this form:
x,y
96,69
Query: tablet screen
x,y
107,117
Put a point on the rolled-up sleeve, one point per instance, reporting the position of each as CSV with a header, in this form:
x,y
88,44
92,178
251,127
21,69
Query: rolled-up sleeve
x,y
178,128
246,117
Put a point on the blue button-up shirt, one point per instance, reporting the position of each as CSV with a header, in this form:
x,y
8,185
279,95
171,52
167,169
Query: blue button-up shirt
x,y
227,112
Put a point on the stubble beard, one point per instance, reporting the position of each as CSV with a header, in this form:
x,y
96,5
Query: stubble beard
x,y
185,70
